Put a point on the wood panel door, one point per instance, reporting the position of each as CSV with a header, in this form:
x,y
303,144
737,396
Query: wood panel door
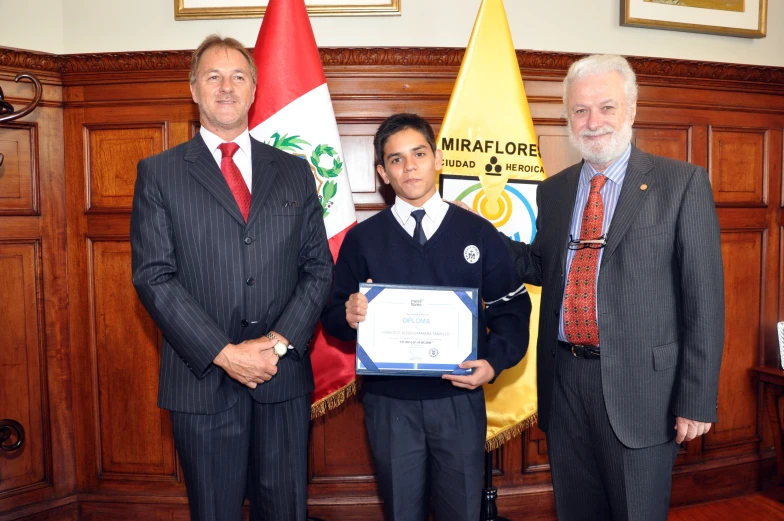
x,y
34,352
124,441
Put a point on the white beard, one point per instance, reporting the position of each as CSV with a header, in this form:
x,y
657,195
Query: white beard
x,y
602,152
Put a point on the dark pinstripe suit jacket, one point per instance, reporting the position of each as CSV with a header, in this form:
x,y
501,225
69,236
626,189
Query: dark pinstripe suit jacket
x,y
660,296
207,278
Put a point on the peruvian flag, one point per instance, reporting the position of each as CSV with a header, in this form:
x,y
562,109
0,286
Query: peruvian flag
x,y
293,112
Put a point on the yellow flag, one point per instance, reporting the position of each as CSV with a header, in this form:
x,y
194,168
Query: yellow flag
x,y
492,163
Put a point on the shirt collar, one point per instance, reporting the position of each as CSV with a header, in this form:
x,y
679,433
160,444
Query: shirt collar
x,y
434,208
212,141
615,172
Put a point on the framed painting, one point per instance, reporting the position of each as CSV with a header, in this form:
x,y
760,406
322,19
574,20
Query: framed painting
x,y
210,9
745,18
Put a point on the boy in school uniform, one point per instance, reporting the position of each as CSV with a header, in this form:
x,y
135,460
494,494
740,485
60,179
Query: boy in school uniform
x,y
428,434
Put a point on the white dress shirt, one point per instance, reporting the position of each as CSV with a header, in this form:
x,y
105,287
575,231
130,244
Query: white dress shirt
x,y
435,210
241,156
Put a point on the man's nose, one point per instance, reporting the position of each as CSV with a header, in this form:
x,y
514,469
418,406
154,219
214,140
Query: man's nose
x,y
594,119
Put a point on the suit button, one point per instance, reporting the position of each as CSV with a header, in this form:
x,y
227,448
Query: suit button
x,y
250,281
248,240
244,323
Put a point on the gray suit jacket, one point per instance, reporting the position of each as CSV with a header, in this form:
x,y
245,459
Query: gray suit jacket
x,y
207,278
660,296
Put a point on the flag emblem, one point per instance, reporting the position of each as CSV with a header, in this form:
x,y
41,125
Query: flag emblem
x,y
325,174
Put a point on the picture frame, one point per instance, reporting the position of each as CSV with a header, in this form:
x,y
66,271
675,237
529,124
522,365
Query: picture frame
x,y
213,9
743,18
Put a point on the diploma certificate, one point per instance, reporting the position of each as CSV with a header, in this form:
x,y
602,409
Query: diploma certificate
x,y
417,330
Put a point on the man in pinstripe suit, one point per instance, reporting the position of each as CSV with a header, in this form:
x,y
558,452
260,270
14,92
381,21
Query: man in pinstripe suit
x,y
631,330
230,258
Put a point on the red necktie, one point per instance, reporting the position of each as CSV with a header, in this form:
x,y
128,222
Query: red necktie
x,y
579,304
234,178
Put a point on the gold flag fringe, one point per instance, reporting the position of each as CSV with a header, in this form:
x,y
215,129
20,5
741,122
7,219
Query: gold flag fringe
x,y
510,432
333,400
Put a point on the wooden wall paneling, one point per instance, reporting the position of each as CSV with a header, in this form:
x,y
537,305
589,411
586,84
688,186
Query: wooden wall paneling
x,y
32,223
664,140
124,440
19,190
535,453
557,152
113,150
52,232
768,349
23,391
738,164
66,509
357,142
743,257
340,450
85,430
369,193
135,436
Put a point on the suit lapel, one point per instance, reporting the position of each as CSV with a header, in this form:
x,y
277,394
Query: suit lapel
x,y
202,166
630,200
264,173
564,218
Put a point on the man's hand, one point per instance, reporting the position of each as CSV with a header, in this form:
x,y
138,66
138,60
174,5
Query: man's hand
x,y
250,363
356,308
462,205
689,429
483,373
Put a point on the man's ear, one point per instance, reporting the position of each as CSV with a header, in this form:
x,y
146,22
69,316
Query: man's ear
x,y
382,174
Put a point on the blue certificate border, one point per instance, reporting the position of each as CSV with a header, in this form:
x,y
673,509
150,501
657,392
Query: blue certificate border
x,y
366,366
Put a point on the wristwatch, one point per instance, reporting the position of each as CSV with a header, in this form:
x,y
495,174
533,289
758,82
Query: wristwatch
x,y
279,348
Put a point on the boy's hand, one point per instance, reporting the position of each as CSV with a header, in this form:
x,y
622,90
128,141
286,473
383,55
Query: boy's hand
x,y
356,308
483,373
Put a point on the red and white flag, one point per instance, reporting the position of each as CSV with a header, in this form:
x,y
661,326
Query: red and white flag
x,y
293,112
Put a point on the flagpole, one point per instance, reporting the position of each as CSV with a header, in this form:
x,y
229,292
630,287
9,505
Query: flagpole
x,y
489,510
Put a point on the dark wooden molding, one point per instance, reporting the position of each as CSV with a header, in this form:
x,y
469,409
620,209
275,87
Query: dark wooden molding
x,y
29,60
687,69
447,59
127,62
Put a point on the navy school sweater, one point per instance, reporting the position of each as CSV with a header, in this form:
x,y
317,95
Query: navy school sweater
x,y
380,249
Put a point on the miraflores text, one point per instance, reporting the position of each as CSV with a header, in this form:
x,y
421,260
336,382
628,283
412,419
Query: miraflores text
x,y
490,147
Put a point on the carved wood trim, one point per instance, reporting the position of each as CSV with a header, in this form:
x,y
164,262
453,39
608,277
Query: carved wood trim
x,y
533,63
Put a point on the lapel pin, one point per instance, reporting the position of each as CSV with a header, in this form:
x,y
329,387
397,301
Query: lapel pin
x,y
643,187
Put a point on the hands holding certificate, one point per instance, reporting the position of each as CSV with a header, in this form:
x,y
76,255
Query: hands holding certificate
x,y
478,372
356,308
482,373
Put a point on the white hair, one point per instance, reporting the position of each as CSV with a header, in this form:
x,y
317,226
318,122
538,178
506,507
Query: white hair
x,y
602,64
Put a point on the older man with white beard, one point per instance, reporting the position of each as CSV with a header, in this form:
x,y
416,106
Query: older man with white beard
x,y
631,328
